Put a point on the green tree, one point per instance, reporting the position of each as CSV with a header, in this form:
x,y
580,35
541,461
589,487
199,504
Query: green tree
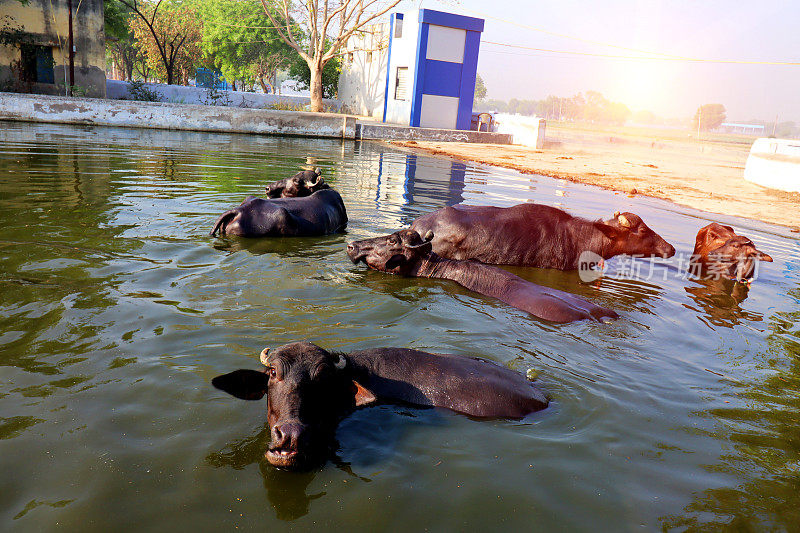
x,y
116,17
240,40
300,72
708,117
480,89
121,47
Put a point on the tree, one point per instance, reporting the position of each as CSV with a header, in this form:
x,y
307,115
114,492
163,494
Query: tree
x,y
480,88
645,117
169,33
709,117
326,26
251,51
121,47
330,76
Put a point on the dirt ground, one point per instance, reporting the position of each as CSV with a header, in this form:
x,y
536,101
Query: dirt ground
x,y
704,175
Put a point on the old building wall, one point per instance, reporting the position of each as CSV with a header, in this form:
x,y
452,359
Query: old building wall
x,y
362,82
41,51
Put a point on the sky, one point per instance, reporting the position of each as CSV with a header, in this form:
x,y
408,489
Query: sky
x,y
768,30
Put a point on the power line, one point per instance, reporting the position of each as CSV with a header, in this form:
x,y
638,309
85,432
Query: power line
x,y
649,54
644,58
573,37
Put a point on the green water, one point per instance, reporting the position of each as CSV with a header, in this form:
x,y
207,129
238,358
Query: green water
x,y
117,309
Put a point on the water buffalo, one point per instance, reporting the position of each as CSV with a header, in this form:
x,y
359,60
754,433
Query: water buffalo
x,y
320,213
720,253
303,183
535,235
406,253
309,390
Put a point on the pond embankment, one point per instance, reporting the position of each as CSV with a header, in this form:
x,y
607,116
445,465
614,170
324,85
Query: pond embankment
x,y
173,116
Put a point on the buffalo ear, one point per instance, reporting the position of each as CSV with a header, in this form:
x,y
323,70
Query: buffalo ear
x,y
395,261
362,395
244,384
764,257
609,231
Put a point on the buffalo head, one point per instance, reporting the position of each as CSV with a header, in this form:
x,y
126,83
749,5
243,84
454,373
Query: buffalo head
x,y
396,253
725,254
308,391
303,183
630,235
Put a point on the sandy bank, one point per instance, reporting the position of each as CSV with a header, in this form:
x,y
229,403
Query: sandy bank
x,y
706,176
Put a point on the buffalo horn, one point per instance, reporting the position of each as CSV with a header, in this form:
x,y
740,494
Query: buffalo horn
x,y
263,356
340,363
624,221
616,214
425,240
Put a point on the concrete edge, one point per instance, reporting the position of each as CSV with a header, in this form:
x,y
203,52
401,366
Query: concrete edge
x,y
171,116
388,132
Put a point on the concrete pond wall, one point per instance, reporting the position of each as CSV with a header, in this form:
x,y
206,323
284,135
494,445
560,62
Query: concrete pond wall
x,y
160,115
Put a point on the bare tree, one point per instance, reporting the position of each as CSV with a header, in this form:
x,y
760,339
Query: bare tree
x,y
326,26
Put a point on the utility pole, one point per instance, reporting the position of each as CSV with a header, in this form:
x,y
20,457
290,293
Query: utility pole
x,y
775,125
699,119
71,51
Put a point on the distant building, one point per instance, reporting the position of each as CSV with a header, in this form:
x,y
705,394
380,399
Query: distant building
x,y
747,129
418,71
36,58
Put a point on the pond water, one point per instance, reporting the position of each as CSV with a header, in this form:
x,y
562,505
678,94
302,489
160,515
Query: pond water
x,y
117,309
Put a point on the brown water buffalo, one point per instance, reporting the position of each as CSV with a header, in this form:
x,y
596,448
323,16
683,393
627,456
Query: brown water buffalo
x,y
320,213
406,253
303,183
309,390
535,235
720,253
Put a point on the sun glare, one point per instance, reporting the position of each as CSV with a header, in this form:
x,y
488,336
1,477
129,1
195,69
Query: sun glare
x,y
642,85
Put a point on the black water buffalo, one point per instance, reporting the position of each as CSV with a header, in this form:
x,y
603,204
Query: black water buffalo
x,y
303,183
320,213
309,390
406,253
720,253
535,235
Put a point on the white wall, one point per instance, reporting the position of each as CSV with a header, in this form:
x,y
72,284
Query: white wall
x,y
404,54
182,94
774,163
362,83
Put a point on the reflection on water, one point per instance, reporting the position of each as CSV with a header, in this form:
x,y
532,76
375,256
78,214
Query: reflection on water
x,y
718,301
762,439
116,309
286,491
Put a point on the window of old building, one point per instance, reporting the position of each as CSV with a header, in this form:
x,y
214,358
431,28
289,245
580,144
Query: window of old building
x,y
401,84
37,63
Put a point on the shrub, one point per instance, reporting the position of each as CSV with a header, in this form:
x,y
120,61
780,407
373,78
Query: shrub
x,y
139,91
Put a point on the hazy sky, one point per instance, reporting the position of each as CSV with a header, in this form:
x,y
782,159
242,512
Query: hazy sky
x,y
768,30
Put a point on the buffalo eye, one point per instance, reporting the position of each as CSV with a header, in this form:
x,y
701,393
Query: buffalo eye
x,y
272,372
